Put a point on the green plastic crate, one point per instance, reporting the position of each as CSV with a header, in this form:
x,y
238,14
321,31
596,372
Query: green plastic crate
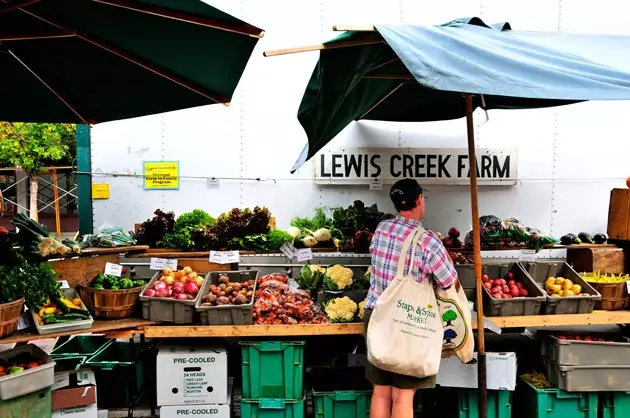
x,y
614,404
342,404
37,404
119,374
81,346
65,364
272,408
555,403
499,403
273,369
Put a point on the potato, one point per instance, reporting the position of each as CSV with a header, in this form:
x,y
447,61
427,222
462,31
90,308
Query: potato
x,y
222,300
224,279
240,299
567,284
236,286
559,280
550,281
221,293
222,286
249,293
228,290
576,288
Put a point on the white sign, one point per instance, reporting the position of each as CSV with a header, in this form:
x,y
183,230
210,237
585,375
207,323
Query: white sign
x,y
288,250
527,256
113,269
428,165
162,263
64,284
376,185
304,254
213,183
224,257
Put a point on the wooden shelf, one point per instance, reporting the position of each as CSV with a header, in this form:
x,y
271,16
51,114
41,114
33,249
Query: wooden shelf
x,y
595,318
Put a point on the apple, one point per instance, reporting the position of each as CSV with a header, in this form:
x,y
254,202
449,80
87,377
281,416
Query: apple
x,y
485,278
487,285
509,276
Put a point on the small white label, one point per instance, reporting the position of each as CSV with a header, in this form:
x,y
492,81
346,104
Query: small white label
x,y
527,255
213,183
162,263
376,185
288,250
64,284
304,254
61,381
113,269
628,286
224,257
85,377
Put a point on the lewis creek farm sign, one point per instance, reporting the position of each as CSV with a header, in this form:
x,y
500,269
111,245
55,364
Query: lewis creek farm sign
x,y
347,166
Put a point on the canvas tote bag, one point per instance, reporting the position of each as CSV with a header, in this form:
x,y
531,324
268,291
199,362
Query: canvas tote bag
x,y
457,323
405,330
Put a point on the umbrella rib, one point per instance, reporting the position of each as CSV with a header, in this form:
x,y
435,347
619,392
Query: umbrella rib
x,y
319,47
190,86
245,29
17,37
390,76
381,100
52,90
11,7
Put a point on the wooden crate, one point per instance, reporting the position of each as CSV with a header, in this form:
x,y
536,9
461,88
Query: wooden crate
x,y
604,260
80,271
619,214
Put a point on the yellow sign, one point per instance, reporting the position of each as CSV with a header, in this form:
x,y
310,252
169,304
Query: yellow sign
x,y
161,175
100,191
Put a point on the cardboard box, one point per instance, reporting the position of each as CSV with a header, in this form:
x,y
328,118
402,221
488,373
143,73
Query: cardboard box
x,y
500,372
79,402
191,376
214,411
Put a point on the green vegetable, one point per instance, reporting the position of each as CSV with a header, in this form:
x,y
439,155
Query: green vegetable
x,y
311,277
365,279
98,286
61,318
15,369
100,278
139,283
109,282
36,238
115,287
181,238
270,241
125,283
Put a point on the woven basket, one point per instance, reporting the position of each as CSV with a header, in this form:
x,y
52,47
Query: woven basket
x,y
105,303
614,296
10,316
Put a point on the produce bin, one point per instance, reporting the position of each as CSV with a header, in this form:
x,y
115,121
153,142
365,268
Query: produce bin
x,y
272,369
34,405
10,314
614,295
119,374
272,408
340,392
540,271
517,306
68,326
499,404
554,403
588,378
167,309
614,404
587,353
466,277
66,364
227,314
27,381
81,345
110,304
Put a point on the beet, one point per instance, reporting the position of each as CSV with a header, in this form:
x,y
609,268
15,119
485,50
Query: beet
x,y
453,233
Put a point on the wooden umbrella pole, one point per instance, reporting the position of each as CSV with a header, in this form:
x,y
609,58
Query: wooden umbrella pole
x,y
474,200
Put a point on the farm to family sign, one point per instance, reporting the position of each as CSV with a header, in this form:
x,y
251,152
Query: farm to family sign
x,y
161,175
347,166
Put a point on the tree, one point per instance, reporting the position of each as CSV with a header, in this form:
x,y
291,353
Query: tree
x,y
30,146
448,317
449,335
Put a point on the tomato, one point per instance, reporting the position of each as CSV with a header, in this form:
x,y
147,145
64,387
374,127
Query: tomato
x,y
561,337
497,295
511,283
588,338
524,292
496,289
505,289
519,285
509,276
515,291
485,278
487,285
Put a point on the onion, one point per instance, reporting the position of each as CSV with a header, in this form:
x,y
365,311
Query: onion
x,y
294,232
161,293
150,293
159,285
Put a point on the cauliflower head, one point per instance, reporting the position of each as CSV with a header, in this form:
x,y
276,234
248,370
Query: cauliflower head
x,y
338,277
341,309
361,308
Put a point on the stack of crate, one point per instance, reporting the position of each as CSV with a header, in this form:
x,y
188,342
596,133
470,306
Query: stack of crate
x,y
273,379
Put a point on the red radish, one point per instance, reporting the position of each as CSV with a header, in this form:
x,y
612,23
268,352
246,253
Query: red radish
x,y
159,285
500,282
524,292
487,285
509,276
150,293
191,288
491,282
507,296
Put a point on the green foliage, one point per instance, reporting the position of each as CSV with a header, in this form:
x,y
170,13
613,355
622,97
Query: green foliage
x,y
36,282
188,222
33,145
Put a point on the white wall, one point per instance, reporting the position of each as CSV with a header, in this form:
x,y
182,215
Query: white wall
x,y
569,158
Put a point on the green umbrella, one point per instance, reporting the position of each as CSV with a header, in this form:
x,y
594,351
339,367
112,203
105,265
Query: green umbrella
x,y
88,61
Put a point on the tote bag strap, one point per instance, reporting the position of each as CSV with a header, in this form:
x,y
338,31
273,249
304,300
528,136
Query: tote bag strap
x,y
410,242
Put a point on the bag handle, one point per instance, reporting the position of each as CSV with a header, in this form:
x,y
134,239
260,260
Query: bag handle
x,y
410,242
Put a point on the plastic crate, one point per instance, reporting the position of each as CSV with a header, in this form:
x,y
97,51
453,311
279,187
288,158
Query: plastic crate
x,y
554,403
588,378
587,353
227,314
540,271
119,374
36,405
27,381
340,392
499,403
272,408
614,404
81,346
167,309
273,369
66,364
517,306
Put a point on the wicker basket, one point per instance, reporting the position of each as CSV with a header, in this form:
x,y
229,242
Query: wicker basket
x,y
10,316
614,296
111,304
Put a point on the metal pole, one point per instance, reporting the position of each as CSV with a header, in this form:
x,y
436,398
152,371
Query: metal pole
x,y
56,196
474,200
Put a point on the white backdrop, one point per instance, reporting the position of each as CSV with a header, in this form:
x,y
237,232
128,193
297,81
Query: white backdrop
x,y
569,158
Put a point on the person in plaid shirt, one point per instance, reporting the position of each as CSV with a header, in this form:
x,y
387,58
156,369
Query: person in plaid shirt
x,y
393,393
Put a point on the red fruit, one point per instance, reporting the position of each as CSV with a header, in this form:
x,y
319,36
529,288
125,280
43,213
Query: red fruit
x,y
524,292
505,288
485,278
519,285
496,295
491,282
487,285
588,338
577,338
509,276
562,337
124,270
507,296
515,291
496,289
511,283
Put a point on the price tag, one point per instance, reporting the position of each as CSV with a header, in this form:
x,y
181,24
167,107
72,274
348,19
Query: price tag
x,y
64,284
376,185
288,250
527,255
162,263
628,286
213,183
113,269
224,257
304,254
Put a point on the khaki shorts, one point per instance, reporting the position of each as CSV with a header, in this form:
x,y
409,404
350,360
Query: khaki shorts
x,y
384,378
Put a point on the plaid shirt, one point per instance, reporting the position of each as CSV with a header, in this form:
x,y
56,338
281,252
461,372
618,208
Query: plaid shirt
x,y
432,259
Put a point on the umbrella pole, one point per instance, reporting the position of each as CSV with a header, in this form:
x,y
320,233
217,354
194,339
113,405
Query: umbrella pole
x,y
474,200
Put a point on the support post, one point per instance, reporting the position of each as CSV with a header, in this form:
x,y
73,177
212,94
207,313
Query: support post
x,y
56,197
474,200
84,181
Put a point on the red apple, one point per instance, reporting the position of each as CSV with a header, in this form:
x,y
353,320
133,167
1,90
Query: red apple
x,y
511,283
485,278
524,293
505,288
487,285
515,291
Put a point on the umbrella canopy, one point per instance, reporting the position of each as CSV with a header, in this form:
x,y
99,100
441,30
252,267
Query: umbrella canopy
x,y
87,61
417,74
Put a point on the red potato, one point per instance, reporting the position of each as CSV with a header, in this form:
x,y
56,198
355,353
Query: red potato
x,y
505,288
515,291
